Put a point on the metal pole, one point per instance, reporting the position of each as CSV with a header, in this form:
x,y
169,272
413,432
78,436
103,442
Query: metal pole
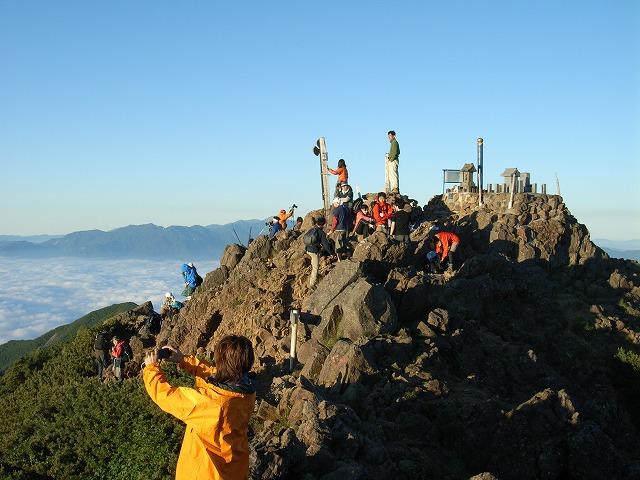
x,y
480,179
293,318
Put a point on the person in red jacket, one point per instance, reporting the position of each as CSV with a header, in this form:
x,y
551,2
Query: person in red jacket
x,y
382,212
446,243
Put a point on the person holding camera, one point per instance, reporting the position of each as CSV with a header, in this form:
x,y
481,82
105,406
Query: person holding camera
x,y
216,412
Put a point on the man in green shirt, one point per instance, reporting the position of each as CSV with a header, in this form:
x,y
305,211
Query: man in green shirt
x,y
392,163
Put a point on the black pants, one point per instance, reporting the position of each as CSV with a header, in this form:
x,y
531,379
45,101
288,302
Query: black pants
x,y
364,228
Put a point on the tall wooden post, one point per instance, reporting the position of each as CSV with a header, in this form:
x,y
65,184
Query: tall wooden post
x,y
320,150
480,148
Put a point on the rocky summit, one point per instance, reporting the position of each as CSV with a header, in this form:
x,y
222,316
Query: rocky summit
x,y
521,364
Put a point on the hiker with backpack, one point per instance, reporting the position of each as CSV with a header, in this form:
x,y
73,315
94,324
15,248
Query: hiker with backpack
x,y
121,354
192,279
315,240
100,347
170,306
216,412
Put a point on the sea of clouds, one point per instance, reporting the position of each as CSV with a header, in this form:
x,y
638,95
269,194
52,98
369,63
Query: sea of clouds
x,y
38,295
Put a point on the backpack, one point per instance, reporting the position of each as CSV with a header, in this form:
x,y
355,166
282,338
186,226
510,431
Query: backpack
x,y
100,343
198,279
127,353
311,237
153,323
357,203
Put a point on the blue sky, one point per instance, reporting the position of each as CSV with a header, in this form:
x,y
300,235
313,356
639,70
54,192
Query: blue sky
x,y
183,113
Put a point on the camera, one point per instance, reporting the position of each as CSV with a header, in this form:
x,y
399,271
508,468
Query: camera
x,y
294,206
164,353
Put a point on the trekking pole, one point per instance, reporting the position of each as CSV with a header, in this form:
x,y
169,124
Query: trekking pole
x,y
234,231
293,318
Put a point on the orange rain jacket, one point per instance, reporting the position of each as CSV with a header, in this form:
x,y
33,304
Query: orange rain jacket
x,y
342,172
446,240
215,444
283,218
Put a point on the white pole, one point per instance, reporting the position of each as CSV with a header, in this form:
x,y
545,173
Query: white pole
x,y
293,318
387,186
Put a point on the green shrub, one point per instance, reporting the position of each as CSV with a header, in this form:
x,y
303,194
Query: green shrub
x,y
629,358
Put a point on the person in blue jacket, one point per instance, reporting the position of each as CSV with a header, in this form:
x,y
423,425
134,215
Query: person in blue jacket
x,y
190,277
341,225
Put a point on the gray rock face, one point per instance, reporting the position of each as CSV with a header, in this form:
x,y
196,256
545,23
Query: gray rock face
x,y
519,365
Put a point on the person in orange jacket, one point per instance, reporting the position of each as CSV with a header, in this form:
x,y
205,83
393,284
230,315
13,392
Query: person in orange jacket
x,y
283,216
216,411
343,175
446,243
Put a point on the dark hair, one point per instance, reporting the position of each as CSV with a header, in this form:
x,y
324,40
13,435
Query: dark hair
x,y
391,132
299,219
341,163
382,194
321,221
234,358
399,203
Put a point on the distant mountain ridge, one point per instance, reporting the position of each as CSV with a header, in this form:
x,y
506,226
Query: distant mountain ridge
x,y
139,241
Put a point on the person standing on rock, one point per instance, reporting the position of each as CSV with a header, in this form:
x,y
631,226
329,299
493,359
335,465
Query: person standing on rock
x,y
191,279
216,412
318,242
341,225
119,357
446,243
283,216
343,175
393,159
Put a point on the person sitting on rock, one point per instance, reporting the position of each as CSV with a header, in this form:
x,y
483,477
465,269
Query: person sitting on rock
x,y
446,243
365,224
382,212
340,225
400,221
170,306
346,195
298,224
320,243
